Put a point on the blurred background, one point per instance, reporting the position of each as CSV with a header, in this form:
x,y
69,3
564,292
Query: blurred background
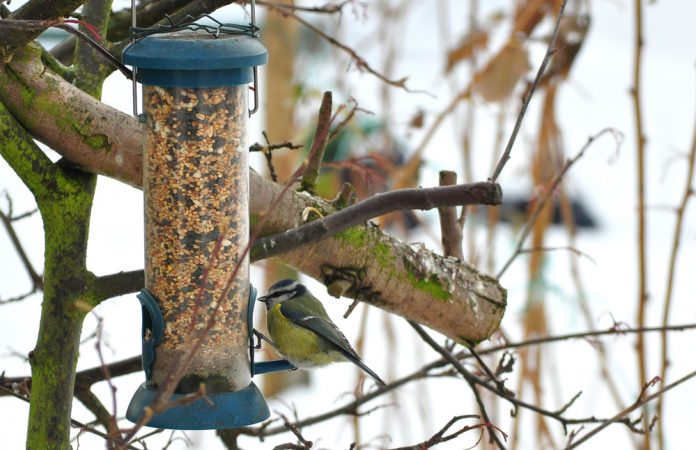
x,y
448,84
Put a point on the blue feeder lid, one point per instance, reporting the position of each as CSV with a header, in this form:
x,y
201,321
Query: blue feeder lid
x,y
195,59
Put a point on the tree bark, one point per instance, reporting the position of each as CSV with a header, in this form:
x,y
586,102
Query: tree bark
x,y
64,197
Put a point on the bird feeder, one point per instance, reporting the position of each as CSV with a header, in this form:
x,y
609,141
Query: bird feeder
x,y
196,188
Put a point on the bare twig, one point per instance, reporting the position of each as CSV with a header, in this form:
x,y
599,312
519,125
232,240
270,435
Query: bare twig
x,y
103,51
550,50
441,437
427,371
351,408
270,147
329,8
614,330
640,185
359,61
346,120
7,220
113,425
304,443
316,153
671,272
468,377
74,422
641,401
568,248
40,25
550,190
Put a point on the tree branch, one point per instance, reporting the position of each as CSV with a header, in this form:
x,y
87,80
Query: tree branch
x,y
450,231
35,10
375,206
120,283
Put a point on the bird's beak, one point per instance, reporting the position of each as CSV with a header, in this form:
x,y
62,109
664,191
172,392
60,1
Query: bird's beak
x,y
262,299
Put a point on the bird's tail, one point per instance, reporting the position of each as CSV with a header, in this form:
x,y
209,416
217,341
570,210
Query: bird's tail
x,y
364,367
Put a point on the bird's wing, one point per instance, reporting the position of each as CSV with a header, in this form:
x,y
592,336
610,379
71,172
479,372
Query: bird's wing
x,y
323,327
318,325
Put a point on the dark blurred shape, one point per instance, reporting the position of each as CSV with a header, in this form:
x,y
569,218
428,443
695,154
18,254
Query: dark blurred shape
x,y
515,210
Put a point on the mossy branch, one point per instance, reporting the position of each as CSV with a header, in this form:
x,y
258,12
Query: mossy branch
x,y
25,157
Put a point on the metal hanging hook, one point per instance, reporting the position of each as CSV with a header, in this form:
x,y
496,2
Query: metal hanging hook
x,y
136,114
255,88
253,14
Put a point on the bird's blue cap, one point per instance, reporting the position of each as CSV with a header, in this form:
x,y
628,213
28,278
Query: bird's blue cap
x,y
195,59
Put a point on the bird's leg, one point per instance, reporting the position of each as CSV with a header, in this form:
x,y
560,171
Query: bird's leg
x,y
261,337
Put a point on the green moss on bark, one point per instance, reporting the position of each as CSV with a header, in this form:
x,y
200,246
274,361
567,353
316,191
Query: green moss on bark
x,y
67,299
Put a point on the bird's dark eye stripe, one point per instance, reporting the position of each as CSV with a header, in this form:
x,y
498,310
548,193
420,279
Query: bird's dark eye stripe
x,y
280,292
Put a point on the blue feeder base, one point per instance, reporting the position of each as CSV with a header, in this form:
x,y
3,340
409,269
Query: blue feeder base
x,y
223,410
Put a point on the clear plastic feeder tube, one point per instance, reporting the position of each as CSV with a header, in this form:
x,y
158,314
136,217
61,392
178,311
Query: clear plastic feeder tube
x,y
196,228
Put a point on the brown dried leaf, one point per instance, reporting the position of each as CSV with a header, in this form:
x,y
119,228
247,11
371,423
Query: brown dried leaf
x,y
529,14
497,80
470,44
417,120
571,36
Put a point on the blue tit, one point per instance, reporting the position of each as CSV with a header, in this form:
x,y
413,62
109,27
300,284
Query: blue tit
x,y
302,330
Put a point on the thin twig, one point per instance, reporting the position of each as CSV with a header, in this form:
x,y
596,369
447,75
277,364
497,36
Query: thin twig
x,y
642,400
615,330
671,273
7,219
305,444
113,425
468,377
329,8
426,372
440,436
74,422
103,51
568,248
270,147
550,50
349,408
359,61
550,190
640,185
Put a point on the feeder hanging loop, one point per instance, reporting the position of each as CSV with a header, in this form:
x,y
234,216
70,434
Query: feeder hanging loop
x,y
189,23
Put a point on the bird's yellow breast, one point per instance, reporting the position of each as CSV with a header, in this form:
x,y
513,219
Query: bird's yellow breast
x,y
297,344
